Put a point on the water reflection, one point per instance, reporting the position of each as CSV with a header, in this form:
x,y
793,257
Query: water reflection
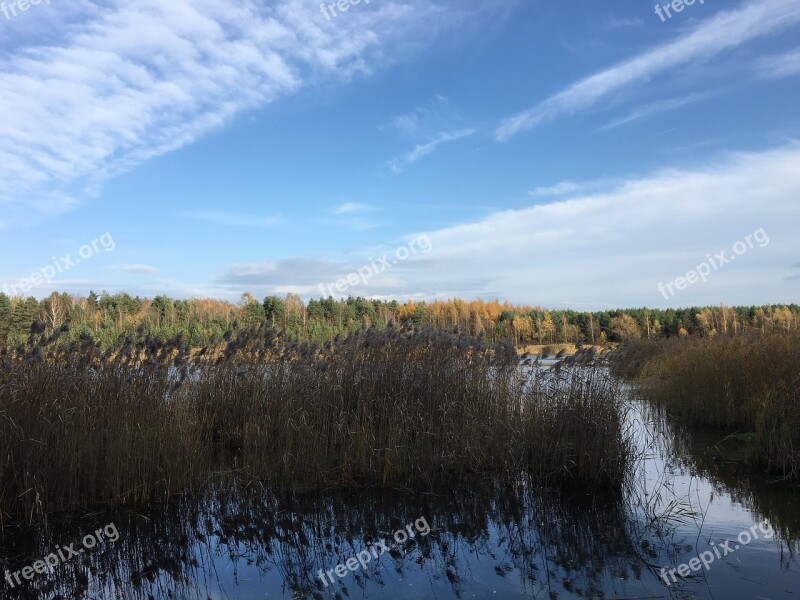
x,y
493,540
258,544
717,458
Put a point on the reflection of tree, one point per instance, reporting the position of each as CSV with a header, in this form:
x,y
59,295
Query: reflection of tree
x,y
553,543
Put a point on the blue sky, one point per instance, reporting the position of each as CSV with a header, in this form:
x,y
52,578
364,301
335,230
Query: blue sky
x,y
556,153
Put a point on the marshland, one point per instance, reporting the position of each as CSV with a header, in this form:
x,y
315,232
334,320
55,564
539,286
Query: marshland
x,y
276,457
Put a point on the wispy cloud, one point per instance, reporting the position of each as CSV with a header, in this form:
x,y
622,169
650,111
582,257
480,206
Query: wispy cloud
x,y
351,208
218,217
291,272
779,66
303,275
137,268
564,188
120,83
398,164
619,23
353,215
438,115
725,30
661,106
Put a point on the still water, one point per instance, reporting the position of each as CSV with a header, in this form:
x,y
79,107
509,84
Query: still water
x,y
490,541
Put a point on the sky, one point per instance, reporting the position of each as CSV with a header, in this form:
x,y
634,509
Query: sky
x,y
569,154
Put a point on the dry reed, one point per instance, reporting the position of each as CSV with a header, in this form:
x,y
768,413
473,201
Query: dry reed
x,y
80,426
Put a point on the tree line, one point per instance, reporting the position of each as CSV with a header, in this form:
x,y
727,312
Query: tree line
x,y
110,317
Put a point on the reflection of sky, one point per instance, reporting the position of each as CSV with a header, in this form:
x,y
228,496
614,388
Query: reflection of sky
x,y
753,570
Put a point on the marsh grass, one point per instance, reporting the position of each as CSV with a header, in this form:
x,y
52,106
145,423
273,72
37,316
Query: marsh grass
x,y
747,386
81,426
569,415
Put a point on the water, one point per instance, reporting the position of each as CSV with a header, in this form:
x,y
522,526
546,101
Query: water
x,y
488,541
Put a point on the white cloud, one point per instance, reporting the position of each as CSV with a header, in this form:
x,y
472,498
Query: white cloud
x,y
119,83
602,248
439,115
725,30
779,66
563,188
352,215
136,268
350,208
658,107
398,164
615,246
597,247
618,23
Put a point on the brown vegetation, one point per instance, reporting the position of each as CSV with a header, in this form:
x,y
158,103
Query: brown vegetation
x,y
744,384
81,426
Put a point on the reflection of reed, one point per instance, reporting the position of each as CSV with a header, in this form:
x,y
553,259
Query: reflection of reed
x,y
550,541
711,454
154,552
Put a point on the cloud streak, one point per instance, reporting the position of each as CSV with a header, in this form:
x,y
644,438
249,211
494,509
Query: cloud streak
x,y
137,268
564,188
422,150
654,108
350,208
725,30
779,66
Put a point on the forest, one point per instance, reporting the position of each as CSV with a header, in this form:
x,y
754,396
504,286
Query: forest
x,y
108,318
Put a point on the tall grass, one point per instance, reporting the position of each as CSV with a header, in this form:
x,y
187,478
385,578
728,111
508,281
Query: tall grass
x,y
574,425
80,426
744,384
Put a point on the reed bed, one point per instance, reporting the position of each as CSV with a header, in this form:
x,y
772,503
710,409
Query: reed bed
x,y
569,415
748,385
81,426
